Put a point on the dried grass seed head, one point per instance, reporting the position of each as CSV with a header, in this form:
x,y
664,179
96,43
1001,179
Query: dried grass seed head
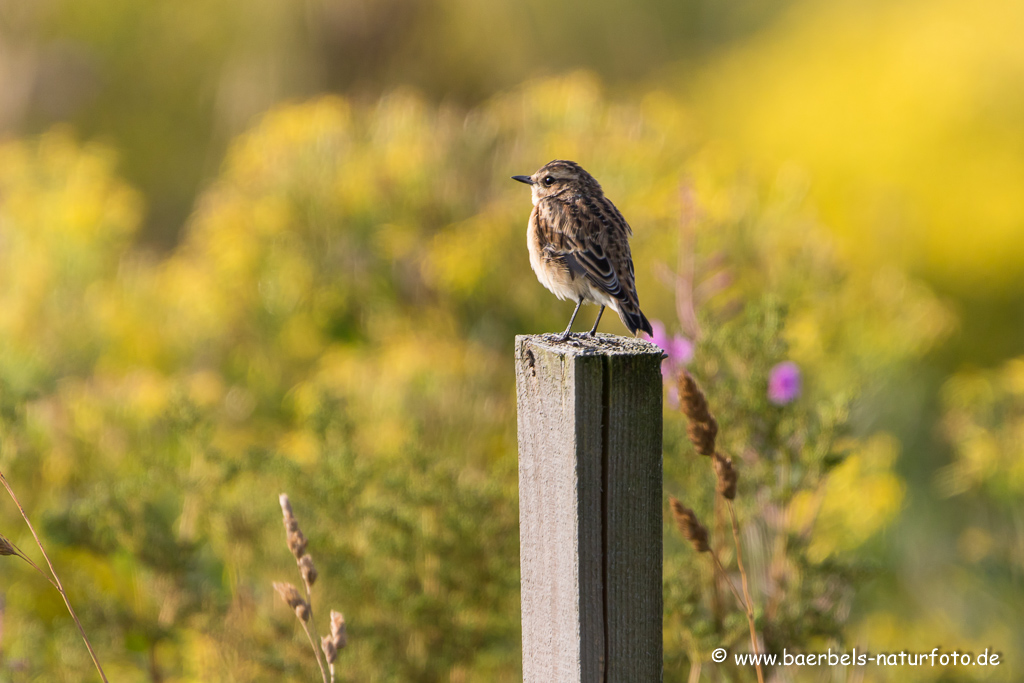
x,y
291,596
6,547
339,633
308,570
296,539
286,506
726,476
703,435
702,428
330,651
297,543
691,399
689,526
302,611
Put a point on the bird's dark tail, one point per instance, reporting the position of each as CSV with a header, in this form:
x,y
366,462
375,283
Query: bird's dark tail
x,y
636,320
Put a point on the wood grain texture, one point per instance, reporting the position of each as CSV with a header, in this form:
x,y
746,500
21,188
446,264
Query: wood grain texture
x,y
590,497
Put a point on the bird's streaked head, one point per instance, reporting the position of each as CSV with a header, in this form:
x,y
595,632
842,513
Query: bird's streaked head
x,y
559,176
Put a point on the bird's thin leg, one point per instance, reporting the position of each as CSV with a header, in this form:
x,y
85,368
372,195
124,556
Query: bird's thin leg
x,y
596,322
565,335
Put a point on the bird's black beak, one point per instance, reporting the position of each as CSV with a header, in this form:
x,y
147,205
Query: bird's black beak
x,y
523,179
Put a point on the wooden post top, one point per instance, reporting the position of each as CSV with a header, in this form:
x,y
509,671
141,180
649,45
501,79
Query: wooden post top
x,y
601,344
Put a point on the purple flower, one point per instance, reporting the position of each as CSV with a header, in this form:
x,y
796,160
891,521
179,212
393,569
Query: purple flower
x,y
679,352
659,338
783,383
678,348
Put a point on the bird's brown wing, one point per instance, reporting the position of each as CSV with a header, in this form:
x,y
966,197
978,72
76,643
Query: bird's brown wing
x,y
572,235
590,238
616,233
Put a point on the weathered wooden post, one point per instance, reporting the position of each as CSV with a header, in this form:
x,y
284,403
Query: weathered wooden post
x,y
590,508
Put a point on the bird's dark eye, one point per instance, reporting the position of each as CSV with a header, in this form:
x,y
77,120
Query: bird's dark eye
x,y
549,180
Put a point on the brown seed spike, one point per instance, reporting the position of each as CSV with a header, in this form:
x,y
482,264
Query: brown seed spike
x,y
338,631
330,651
292,598
702,435
286,511
302,611
5,547
288,593
691,399
726,476
297,543
296,539
689,526
308,570
702,428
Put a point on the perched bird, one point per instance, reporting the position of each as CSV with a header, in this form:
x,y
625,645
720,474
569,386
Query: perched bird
x,y
579,244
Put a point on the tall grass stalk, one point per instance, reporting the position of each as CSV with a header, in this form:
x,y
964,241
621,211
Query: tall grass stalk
x,y
56,579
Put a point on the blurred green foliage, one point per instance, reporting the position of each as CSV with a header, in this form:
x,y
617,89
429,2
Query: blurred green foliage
x,y
336,324
172,82
814,488
984,419
331,314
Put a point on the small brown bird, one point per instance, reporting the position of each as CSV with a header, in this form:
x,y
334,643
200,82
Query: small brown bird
x,y
579,244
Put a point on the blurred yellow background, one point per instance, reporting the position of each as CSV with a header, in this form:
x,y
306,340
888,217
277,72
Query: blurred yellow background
x,y
269,246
